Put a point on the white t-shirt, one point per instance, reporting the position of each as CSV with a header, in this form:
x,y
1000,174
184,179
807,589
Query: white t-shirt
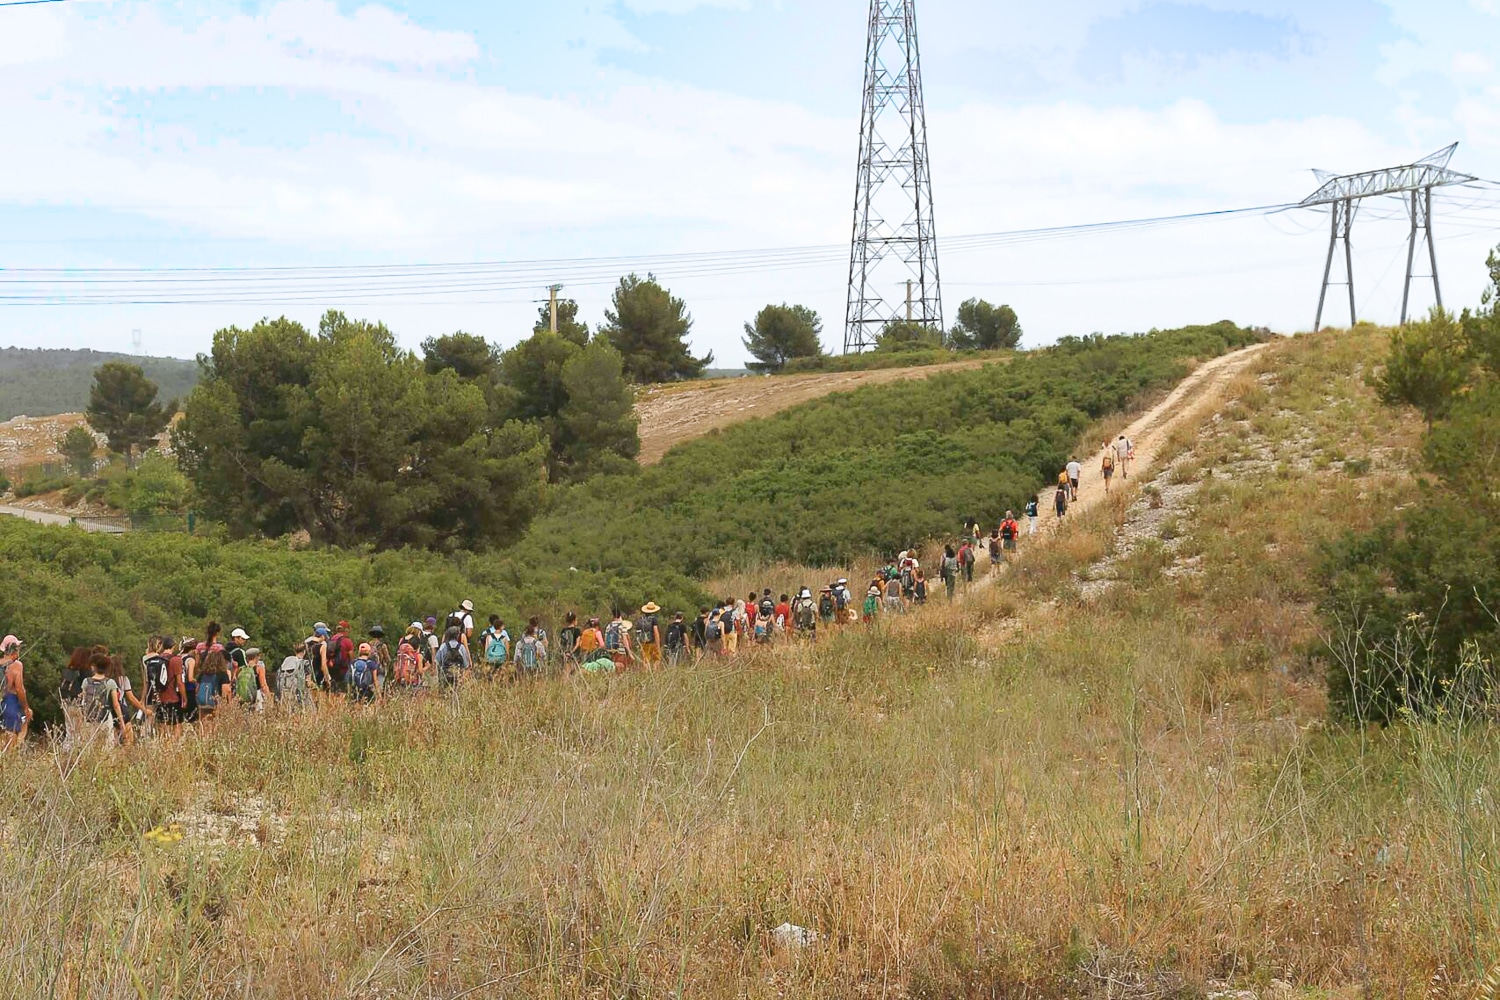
x,y
466,618
1075,470
1123,447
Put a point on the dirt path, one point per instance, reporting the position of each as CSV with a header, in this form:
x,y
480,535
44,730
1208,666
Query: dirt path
x,y
672,414
1201,392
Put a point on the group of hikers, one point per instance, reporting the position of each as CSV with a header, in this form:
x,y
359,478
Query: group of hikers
x,y
191,680
1116,456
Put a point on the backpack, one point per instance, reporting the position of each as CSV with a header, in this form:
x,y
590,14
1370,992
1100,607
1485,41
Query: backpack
x,y
156,676
825,605
288,675
763,630
841,599
767,608
406,669
614,636
803,615
96,706
455,620
450,655
950,566
336,656
495,651
676,635
245,685
714,630
528,652
362,674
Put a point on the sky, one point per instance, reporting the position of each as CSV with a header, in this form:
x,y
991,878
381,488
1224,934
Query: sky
x,y
151,134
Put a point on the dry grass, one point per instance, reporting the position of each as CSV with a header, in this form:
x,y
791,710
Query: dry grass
x,y
1128,796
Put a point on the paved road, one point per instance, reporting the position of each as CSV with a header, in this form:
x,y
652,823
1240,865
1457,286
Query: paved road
x,y
43,517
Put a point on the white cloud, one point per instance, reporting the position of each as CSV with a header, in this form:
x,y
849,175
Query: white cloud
x,y
413,159
681,6
1472,64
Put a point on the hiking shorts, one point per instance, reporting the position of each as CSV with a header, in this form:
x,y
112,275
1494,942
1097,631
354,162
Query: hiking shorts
x,y
650,653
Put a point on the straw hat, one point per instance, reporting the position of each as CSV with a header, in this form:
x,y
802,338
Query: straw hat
x,y
650,608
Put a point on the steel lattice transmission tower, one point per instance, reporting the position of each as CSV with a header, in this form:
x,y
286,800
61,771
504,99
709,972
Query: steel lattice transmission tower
x,y
1414,183
893,261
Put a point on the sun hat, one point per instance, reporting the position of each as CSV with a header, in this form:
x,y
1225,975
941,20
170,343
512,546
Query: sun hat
x,y
467,605
239,633
377,631
8,643
650,608
252,652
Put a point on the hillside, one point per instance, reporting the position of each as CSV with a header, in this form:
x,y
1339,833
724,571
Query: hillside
x,y
1104,772
41,382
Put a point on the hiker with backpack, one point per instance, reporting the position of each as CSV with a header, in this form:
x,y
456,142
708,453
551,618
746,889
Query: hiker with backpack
x,y
949,570
894,603
1124,455
340,655
966,559
316,646
101,699
593,657
165,691
872,602
214,685
15,710
804,615
1075,473
1107,466
1060,501
1033,511
783,616
617,641
698,633
996,556
648,635
463,620
452,659
1010,533
567,643
919,589
843,602
250,685
827,607
292,676
495,641
364,676
379,649
675,642
406,671
531,653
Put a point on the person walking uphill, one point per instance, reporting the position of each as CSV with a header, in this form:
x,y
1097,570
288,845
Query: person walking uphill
x,y
1060,500
648,634
949,570
15,710
1075,473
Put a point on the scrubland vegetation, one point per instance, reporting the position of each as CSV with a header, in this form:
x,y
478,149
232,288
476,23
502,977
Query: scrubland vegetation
x,y
1034,792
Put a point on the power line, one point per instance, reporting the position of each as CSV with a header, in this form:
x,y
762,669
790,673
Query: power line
x,y
26,3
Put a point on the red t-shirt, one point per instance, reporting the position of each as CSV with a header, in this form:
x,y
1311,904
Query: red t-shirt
x,y
172,694
783,613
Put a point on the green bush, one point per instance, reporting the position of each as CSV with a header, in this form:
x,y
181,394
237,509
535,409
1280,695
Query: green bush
x,y
38,482
872,470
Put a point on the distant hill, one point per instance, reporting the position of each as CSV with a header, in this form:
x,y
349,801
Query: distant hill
x,y
40,382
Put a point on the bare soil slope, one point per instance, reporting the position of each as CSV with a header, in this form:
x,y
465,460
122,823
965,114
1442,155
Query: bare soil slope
x,y
675,413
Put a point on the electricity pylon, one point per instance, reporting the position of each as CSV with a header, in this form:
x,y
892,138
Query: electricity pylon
x,y
1414,182
895,240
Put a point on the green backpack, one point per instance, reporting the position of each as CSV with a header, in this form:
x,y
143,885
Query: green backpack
x,y
245,684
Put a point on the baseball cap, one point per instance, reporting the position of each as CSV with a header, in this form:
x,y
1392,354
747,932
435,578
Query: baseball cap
x,y
343,625
253,652
415,625
8,643
318,625
239,633
364,649
431,621
320,630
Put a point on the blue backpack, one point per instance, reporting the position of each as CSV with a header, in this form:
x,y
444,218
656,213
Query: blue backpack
x,y
362,674
528,653
496,651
